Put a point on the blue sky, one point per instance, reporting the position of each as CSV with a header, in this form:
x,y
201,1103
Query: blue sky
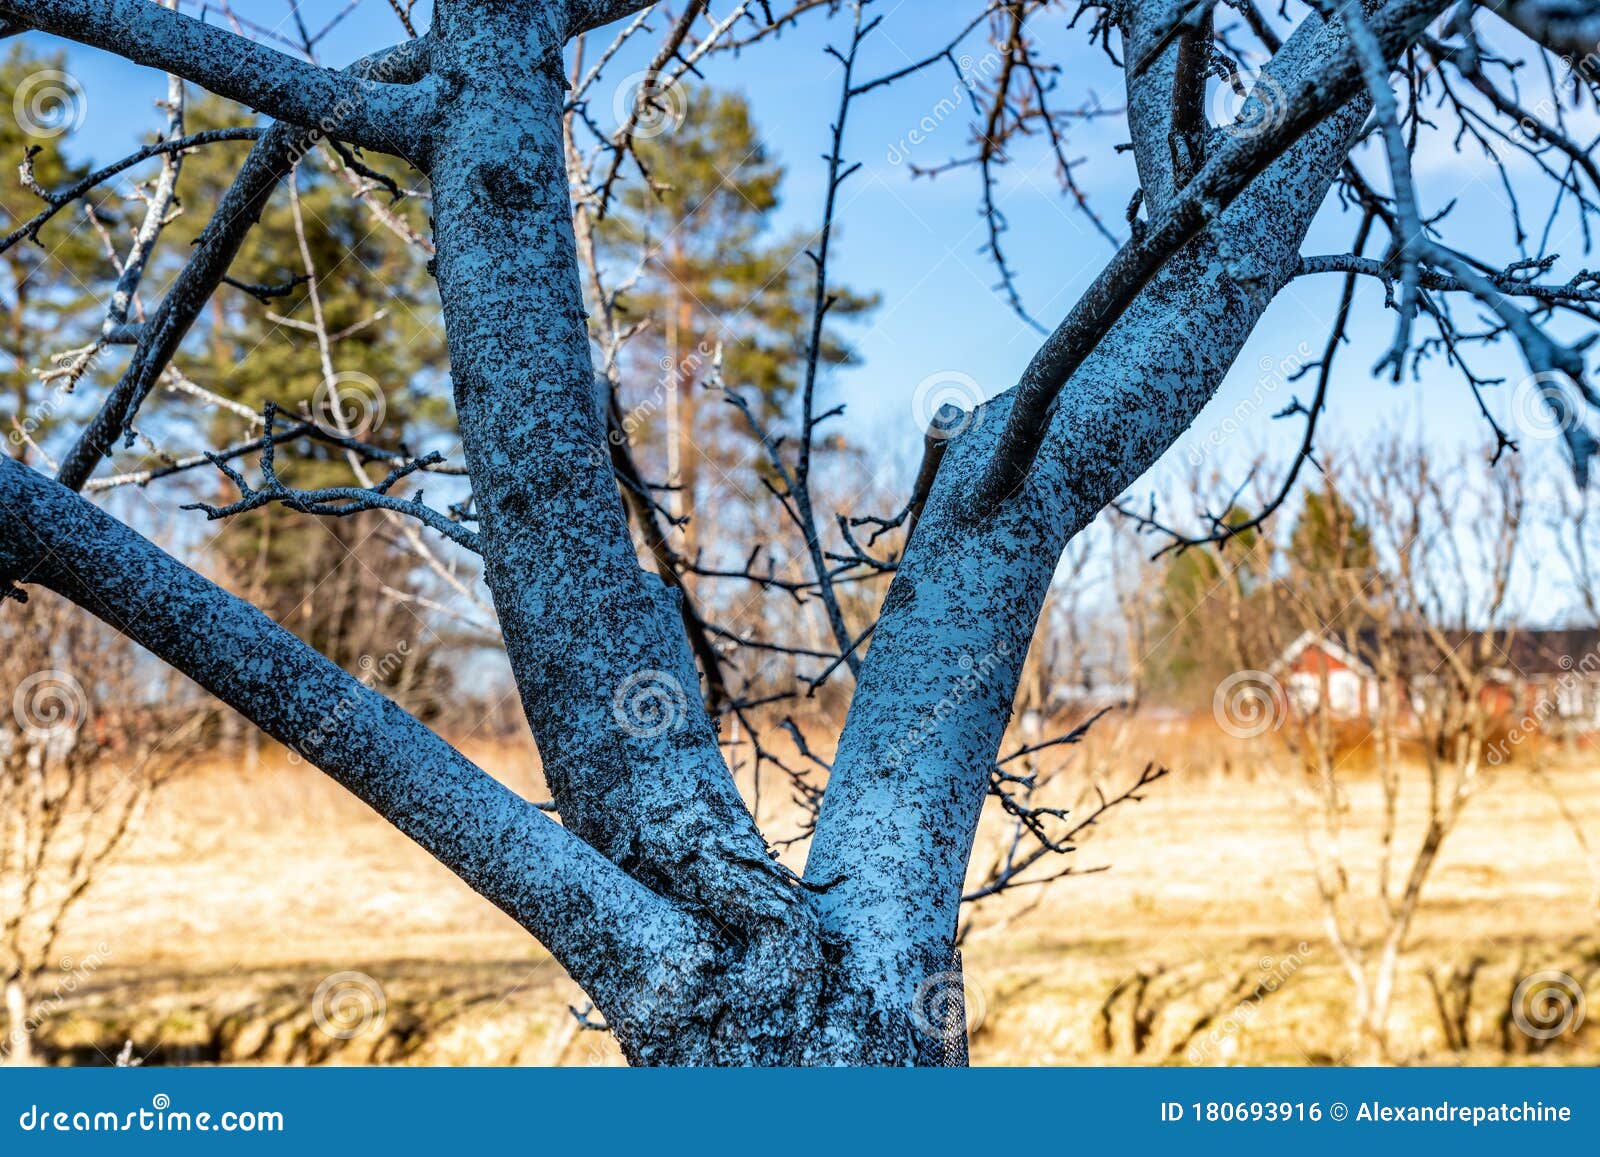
x,y
916,241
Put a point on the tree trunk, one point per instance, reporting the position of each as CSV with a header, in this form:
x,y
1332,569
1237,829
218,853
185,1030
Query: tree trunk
x,y
19,1035
658,892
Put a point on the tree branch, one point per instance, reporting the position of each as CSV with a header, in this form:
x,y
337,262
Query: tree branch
x,y
1565,27
631,756
334,501
1316,91
58,199
587,15
277,151
937,687
360,105
603,927
1505,282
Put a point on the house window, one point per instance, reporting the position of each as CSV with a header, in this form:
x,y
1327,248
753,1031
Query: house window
x,y
1305,692
1344,694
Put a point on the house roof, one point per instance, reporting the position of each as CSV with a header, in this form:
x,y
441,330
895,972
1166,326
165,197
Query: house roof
x,y
1325,643
1530,654
1555,652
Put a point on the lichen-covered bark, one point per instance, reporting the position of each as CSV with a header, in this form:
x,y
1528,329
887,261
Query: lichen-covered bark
x,y
1150,102
614,936
368,112
584,15
596,643
661,897
935,693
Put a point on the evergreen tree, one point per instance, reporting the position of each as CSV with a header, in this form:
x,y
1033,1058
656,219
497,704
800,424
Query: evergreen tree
x,y
1200,587
43,298
714,274
1332,561
387,352
1329,536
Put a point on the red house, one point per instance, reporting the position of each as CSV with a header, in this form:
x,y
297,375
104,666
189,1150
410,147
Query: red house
x,y
1550,678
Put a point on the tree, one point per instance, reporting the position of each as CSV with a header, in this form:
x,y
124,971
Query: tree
x,y
711,276
1431,634
658,892
1198,587
335,321
1329,535
41,294
76,769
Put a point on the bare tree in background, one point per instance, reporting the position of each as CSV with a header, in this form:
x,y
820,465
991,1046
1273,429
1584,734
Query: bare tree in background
x,y
1409,559
657,891
75,773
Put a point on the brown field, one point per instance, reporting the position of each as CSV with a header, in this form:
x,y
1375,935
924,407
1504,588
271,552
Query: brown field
x,y
246,888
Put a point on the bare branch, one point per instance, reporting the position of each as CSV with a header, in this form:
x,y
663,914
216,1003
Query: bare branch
x,y
588,913
1225,175
59,199
361,105
275,153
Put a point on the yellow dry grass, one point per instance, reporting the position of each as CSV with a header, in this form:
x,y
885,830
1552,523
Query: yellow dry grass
x,y
249,885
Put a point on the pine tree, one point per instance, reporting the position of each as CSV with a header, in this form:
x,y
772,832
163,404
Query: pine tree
x,y
1329,536
1199,589
713,276
43,296
388,355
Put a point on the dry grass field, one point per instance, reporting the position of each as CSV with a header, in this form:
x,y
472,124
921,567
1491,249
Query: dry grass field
x,y
247,888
